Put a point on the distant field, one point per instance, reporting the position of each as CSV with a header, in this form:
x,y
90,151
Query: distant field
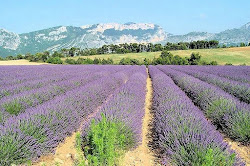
x,y
19,62
236,56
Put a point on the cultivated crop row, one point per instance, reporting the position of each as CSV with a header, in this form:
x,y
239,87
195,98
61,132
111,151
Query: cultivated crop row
x,y
182,133
118,123
15,104
225,111
39,129
235,88
236,73
42,105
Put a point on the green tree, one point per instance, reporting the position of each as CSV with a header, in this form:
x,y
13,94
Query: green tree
x,y
107,61
242,44
70,61
27,56
19,56
128,61
96,61
57,54
194,59
55,60
10,57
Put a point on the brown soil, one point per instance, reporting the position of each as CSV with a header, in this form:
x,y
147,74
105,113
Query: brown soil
x,y
142,155
243,151
64,155
239,49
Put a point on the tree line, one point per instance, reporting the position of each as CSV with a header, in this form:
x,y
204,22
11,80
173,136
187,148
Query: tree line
x,y
166,58
55,57
137,48
116,49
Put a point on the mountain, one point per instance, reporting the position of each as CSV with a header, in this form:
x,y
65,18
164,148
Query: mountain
x,y
90,36
192,36
87,36
228,37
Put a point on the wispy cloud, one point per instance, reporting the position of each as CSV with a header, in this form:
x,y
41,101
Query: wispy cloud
x,y
202,16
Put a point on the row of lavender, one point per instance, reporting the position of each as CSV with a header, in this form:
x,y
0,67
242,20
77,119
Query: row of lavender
x,y
182,133
238,89
75,77
15,74
125,110
16,104
39,129
236,73
38,82
225,111
41,77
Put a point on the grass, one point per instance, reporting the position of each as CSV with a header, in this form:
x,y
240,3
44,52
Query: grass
x,y
236,56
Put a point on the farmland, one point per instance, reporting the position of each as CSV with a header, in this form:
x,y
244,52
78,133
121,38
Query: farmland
x,y
104,113
235,56
20,62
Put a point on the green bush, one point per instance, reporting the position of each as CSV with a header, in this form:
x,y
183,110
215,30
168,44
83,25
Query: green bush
x,y
194,58
13,107
70,61
106,141
55,60
128,61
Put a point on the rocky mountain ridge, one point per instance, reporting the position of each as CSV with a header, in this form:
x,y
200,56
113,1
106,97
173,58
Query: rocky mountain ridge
x,y
96,35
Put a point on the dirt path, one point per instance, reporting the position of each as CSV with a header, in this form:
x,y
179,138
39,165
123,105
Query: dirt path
x,y
66,153
20,62
143,156
243,151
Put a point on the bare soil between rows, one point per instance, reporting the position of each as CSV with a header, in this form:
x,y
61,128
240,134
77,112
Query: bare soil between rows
x,y
143,155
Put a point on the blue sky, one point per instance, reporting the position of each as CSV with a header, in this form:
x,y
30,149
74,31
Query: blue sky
x,y
177,17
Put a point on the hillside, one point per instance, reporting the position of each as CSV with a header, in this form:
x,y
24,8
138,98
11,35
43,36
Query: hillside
x,y
236,56
88,36
97,35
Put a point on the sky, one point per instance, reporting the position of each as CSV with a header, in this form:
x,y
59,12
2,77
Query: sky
x,y
175,16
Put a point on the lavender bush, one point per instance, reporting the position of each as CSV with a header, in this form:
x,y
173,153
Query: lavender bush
x,y
39,129
236,73
117,126
225,111
235,88
182,133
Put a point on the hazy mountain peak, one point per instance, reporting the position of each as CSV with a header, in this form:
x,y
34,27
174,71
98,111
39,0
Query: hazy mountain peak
x,y
9,40
100,28
246,26
96,35
87,36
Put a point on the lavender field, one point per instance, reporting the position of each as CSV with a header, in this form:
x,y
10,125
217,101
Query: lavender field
x,y
194,108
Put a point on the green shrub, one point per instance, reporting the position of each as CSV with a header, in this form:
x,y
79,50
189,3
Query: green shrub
x,y
217,109
128,61
55,60
106,141
210,156
70,61
13,107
